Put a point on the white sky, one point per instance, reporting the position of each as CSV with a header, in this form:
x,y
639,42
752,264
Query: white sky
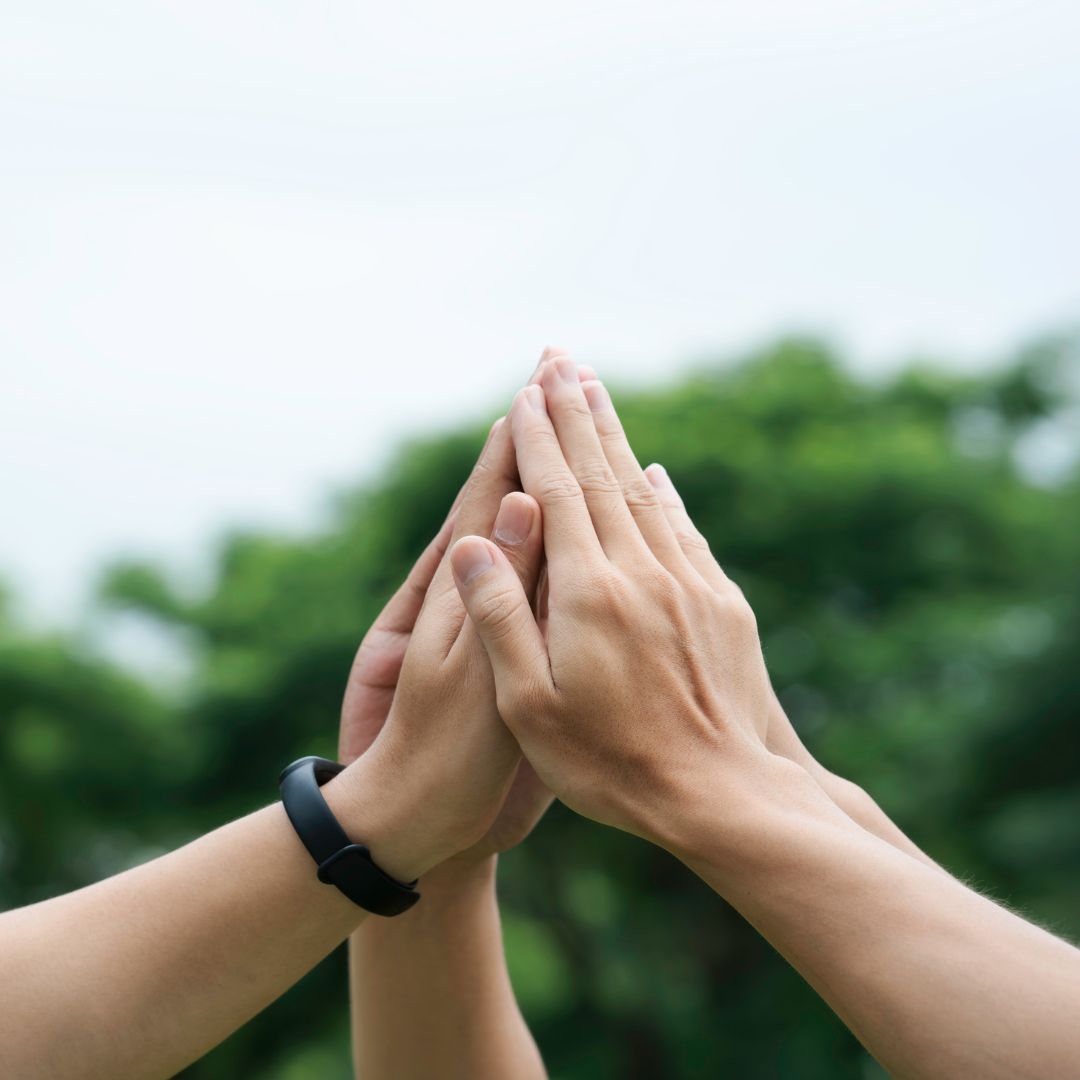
x,y
244,247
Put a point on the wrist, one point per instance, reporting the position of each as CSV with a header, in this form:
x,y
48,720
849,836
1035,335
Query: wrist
x,y
382,811
461,874
749,822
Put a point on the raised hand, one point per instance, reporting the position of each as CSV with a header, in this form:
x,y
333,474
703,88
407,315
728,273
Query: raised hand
x,y
419,716
647,706
377,667
781,738
650,682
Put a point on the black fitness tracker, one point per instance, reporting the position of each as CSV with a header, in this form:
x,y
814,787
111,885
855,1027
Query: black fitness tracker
x,y
341,863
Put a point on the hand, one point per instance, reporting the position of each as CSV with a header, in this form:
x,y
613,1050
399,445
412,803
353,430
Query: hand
x,y
373,679
432,761
377,668
781,738
650,684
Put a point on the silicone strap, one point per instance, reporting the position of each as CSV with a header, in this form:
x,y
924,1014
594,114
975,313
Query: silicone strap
x,y
341,863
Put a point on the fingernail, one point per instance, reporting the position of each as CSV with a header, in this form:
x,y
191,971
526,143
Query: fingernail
x,y
585,373
597,396
567,369
514,520
534,395
470,558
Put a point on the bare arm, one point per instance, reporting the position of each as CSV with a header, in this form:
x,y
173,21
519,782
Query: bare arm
x,y
430,991
430,994
140,974
647,706
934,979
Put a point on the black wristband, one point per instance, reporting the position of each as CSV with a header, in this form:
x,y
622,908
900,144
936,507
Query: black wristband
x,y
341,863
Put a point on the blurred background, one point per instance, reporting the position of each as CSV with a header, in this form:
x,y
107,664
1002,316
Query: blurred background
x,y
269,270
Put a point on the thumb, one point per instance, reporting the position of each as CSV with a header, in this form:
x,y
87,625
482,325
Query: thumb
x,y
520,537
499,608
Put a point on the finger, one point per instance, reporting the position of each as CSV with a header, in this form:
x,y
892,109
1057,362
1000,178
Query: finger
x,y
499,610
483,450
694,546
574,426
494,475
519,536
550,353
569,537
638,494
543,601
401,610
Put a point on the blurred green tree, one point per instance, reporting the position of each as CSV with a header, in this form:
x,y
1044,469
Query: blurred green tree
x,y
912,559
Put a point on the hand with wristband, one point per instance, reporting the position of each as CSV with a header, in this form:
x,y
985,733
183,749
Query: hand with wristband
x,y
160,963
414,1027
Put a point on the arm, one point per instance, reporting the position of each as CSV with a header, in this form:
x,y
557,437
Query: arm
x,y
461,1018
138,975
430,991
934,979
647,706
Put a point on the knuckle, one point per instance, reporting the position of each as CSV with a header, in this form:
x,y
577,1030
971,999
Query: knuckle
x,y
559,487
540,438
570,400
663,587
495,611
739,612
600,593
640,496
691,540
597,478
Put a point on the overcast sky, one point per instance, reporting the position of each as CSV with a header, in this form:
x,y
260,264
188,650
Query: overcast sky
x,y
245,247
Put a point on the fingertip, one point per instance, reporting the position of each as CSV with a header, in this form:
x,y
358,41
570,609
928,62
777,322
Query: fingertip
x,y
470,557
567,370
585,372
516,520
657,475
532,398
558,374
596,395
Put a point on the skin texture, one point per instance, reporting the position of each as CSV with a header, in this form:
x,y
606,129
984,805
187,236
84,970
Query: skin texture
x,y
645,704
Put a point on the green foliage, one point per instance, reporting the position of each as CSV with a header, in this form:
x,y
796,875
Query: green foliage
x,y
919,600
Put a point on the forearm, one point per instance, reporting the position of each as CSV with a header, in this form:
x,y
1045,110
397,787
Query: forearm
x,y
430,991
935,980
140,974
